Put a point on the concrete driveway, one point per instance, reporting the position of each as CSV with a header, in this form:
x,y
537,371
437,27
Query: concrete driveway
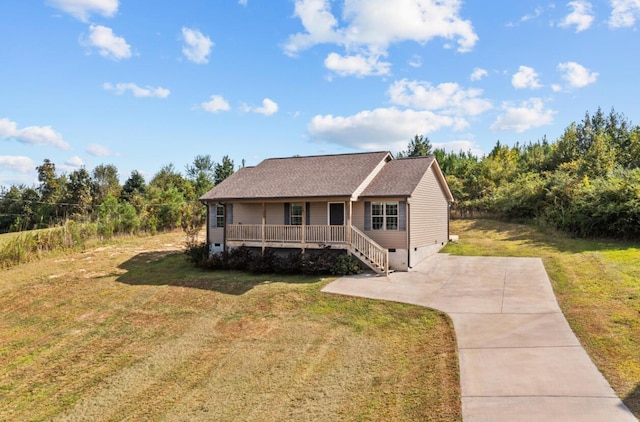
x,y
519,360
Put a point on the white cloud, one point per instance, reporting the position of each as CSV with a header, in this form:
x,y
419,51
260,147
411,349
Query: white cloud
x,y
624,13
74,162
83,9
526,77
556,88
197,45
136,90
319,23
536,13
416,61
356,65
268,108
242,2
373,25
582,15
525,116
382,128
216,104
478,73
577,75
34,135
99,150
448,97
108,44
17,163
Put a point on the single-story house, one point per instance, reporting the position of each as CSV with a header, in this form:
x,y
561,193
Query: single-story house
x,y
390,213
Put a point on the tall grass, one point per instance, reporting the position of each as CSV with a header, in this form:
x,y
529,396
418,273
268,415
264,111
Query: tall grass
x,y
31,245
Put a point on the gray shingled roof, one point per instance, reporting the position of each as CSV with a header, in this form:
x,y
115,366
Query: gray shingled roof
x,y
398,177
299,177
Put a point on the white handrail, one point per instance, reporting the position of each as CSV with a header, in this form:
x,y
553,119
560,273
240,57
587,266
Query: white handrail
x,y
321,234
287,233
378,255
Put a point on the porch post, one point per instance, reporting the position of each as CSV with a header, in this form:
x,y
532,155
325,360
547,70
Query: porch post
x,y
304,225
264,222
348,228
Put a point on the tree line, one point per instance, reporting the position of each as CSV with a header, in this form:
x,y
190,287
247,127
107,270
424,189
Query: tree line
x,y
167,201
585,183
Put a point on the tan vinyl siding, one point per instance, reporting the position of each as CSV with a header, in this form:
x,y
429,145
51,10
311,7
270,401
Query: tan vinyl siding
x,y
251,213
275,213
395,239
247,213
428,212
318,213
216,236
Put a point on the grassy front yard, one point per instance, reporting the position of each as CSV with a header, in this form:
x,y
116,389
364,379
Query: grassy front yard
x,y
597,284
132,331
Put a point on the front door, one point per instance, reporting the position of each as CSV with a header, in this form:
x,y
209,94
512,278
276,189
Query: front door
x,y
336,213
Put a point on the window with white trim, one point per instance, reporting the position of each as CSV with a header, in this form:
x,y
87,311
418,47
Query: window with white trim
x,y
219,215
384,215
295,214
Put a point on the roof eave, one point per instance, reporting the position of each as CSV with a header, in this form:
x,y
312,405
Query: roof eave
x,y
275,198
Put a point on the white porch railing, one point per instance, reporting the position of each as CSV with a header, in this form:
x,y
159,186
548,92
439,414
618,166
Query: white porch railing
x,y
249,232
374,255
287,234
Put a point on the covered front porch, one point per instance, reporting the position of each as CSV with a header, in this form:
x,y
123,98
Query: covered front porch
x,y
287,236
309,237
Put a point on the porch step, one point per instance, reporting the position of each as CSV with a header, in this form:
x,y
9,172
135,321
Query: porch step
x,y
369,263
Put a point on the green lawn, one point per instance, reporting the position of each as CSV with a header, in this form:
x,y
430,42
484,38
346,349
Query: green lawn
x,y
129,330
597,283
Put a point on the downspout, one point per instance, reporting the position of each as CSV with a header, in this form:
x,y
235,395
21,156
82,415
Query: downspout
x,y
207,222
407,225
449,220
304,226
262,229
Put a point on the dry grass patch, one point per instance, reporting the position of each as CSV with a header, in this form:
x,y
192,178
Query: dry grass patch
x,y
131,331
596,282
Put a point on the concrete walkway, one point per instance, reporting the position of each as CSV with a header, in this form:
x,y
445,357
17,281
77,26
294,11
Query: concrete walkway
x,y
519,360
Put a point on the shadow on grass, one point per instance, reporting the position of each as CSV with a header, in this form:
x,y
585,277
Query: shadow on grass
x,y
632,401
171,268
538,237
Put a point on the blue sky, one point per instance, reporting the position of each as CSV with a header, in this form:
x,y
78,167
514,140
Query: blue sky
x,y
144,83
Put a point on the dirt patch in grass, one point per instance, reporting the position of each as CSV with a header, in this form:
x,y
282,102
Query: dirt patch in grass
x,y
131,331
596,282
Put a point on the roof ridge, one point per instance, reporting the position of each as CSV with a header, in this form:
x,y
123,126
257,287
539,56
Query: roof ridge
x,y
412,158
328,155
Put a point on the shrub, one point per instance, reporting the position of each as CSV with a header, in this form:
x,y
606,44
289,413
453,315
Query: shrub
x,y
198,254
293,263
239,259
321,262
265,263
346,265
